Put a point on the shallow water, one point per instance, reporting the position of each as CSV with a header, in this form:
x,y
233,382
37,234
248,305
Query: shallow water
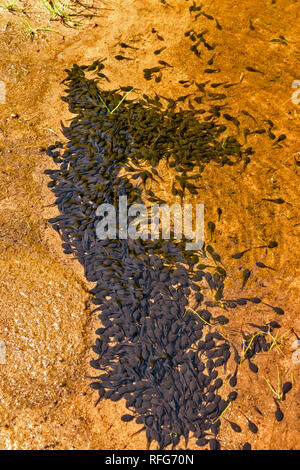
x,y
38,398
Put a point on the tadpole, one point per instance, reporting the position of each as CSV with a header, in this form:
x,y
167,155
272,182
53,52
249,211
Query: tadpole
x,y
278,413
121,57
276,201
235,427
246,275
212,227
239,255
252,426
262,265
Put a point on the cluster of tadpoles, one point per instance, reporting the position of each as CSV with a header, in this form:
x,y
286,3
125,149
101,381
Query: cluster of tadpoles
x,y
163,357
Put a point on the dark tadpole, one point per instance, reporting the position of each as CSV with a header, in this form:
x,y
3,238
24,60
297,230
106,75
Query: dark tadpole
x,y
232,396
274,324
252,426
218,26
258,410
276,201
127,418
253,367
297,161
246,275
280,138
159,51
212,70
202,442
233,379
214,444
277,310
287,386
212,227
240,254
121,57
126,46
235,427
255,300
270,245
252,69
278,413
221,271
